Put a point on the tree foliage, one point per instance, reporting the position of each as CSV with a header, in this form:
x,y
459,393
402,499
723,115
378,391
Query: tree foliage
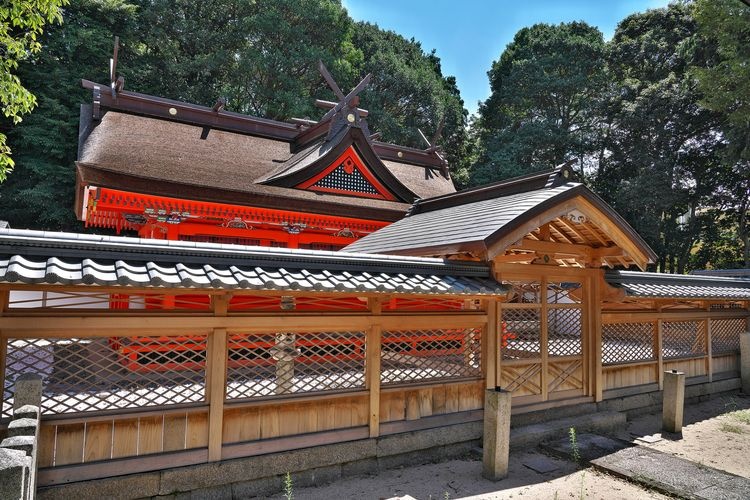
x,y
650,138
40,193
21,23
546,93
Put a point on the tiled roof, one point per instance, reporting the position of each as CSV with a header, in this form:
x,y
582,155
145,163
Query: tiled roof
x,y
34,257
657,285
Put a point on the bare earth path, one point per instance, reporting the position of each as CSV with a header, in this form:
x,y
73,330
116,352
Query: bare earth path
x,y
716,433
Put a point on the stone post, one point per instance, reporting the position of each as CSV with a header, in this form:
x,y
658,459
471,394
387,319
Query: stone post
x,y
496,447
27,390
284,353
673,401
745,361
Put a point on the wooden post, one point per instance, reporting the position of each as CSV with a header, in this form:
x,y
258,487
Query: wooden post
x,y
660,352
373,360
216,371
594,310
544,341
491,347
372,366
709,349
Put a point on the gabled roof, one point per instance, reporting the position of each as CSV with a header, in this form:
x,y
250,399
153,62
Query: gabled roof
x,y
151,145
37,257
324,154
658,285
487,220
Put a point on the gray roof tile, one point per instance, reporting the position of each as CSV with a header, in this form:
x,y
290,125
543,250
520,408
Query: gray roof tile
x,y
679,286
32,257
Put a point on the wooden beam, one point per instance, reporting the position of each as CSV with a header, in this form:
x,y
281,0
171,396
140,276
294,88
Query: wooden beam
x,y
551,247
107,326
544,232
216,378
515,257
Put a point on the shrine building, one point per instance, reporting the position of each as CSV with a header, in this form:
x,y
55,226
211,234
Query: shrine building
x,y
300,296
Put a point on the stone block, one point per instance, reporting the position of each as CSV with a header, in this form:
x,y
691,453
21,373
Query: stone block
x,y
144,485
22,427
227,471
358,467
14,473
23,443
26,411
428,438
263,488
317,476
27,390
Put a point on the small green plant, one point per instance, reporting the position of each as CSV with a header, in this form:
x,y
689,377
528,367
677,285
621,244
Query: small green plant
x,y
446,496
733,428
288,487
575,453
742,416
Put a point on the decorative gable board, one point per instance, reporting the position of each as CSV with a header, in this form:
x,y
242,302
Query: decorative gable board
x,y
349,176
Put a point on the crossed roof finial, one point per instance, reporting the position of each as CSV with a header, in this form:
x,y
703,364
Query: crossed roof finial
x,y
350,100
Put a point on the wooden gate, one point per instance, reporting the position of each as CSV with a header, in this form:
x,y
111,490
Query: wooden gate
x,y
543,342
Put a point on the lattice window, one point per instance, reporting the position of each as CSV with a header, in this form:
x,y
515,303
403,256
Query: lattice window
x,y
278,303
564,293
278,364
346,179
728,305
428,304
528,292
725,335
82,375
36,299
521,333
424,355
628,342
683,339
564,331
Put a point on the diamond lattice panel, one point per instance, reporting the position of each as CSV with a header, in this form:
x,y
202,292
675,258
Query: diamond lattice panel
x,y
288,363
422,355
82,375
342,180
725,335
564,331
682,339
628,342
521,337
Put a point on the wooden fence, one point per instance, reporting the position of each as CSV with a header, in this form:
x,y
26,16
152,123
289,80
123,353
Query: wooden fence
x,y
637,347
133,392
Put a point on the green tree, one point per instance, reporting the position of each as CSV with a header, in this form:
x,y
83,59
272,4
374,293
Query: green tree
x,y
21,23
40,194
543,109
725,83
409,92
663,166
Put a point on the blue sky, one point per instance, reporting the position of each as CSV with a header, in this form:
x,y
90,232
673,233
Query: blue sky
x,y
469,34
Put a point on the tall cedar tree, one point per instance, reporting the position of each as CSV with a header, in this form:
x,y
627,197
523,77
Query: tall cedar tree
x,y
543,109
